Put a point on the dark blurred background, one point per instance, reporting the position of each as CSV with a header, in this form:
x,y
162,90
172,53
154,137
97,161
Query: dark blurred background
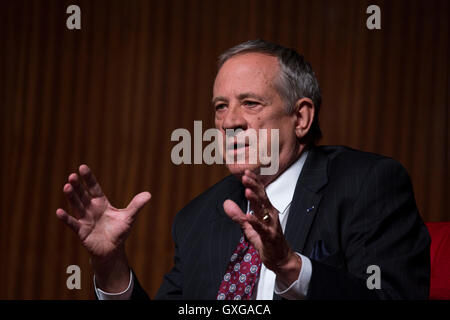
x,y
111,94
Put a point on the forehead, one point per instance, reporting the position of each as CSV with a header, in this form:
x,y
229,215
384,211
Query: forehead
x,y
246,72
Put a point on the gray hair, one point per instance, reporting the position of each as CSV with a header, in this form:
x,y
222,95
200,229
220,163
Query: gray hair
x,y
296,79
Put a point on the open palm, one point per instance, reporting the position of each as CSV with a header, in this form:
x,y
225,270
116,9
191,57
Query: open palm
x,y
101,227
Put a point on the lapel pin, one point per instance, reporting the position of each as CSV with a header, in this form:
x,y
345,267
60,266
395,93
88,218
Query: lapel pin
x,y
310,209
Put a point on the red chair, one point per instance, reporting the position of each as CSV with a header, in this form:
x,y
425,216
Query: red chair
x,y
440,260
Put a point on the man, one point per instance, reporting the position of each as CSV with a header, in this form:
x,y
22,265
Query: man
x,y
312,230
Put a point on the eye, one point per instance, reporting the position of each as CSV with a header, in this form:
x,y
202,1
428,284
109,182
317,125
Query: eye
x,y
250,103
220,106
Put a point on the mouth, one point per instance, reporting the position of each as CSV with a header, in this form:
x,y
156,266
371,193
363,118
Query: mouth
x,y
236,146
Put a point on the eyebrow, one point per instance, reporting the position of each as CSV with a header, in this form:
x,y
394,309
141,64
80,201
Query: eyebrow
x,y
219,98
241,96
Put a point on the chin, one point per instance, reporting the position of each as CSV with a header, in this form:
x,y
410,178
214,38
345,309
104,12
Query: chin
x,y
239,169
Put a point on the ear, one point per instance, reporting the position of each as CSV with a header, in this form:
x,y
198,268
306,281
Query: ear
x,y
304,116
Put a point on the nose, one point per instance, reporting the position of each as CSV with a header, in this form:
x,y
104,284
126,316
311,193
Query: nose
x,y
234,119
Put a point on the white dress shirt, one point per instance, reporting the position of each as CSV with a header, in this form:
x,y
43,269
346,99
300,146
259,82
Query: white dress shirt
x,y
280,193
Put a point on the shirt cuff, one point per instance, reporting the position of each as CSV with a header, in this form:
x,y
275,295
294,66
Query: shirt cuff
x,y
299,288
124,295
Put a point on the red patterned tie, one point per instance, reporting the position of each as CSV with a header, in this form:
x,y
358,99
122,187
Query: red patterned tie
x,y
241,274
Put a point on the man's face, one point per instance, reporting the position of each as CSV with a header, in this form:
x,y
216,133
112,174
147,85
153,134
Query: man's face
x,y
244,97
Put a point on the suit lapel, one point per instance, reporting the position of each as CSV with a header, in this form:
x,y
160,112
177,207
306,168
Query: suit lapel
x,y
306,200
301,217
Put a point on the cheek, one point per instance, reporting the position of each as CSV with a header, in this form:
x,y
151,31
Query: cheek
x,y
287,137
217,123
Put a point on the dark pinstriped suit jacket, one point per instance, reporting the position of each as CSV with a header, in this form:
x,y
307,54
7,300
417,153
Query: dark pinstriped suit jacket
x,y
350,210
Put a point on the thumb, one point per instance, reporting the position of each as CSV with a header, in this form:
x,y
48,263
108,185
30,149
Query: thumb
x,y
234,212
237,215
138,202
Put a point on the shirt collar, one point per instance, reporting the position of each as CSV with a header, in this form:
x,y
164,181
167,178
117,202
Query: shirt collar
x,y
281,191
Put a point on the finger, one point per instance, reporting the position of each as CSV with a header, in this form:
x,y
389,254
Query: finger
x,y
261,200
234,212
255,178
255,203
91,182
138,202
68,220
238,216
251,174
260,227
251,182
73,200
256,194
261,208
80,190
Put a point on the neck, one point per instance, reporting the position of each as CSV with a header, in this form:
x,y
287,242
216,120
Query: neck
x,y
268,179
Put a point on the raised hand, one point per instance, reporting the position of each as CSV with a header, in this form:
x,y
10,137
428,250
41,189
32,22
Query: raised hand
x,y
263,230
101,227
